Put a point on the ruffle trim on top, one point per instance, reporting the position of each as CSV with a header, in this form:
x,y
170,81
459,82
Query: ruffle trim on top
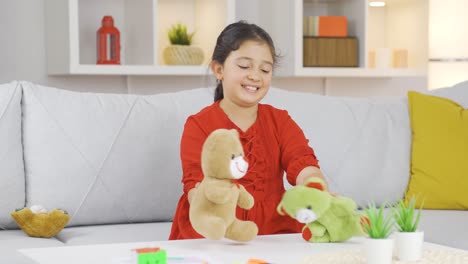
x,y
255,155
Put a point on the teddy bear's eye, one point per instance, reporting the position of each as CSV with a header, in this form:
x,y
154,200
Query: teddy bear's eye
x,y
309,207
233,156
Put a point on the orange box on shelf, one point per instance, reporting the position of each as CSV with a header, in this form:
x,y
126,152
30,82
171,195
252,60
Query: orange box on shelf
x,y
325,26
332,26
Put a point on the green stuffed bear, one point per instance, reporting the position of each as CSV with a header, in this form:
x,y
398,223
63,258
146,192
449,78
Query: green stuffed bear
x,y
327,218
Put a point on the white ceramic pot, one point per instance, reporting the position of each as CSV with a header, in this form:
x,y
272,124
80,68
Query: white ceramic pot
x,y
379,251
409,245
383,58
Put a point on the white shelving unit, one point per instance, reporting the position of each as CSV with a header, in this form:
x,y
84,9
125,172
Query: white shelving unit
x,y
71,27
400,24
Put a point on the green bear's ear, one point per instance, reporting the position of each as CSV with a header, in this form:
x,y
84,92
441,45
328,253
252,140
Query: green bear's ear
x,y
280,209
315,183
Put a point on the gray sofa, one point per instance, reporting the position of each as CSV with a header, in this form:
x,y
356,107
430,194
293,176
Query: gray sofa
x,y
112,161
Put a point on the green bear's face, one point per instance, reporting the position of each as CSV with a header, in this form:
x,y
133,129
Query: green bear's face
x,y
305,204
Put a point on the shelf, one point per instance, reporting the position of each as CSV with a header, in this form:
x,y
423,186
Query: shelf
x,y
400,25
91,69
355,11
71,27
358,72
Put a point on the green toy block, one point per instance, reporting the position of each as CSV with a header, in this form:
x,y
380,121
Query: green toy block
x,y
157,257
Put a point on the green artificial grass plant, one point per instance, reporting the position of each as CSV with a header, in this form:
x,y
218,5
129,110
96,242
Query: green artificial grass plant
x,y
379,226
178,35
405,215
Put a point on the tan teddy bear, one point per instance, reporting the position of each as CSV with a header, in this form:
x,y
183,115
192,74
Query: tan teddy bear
x,y
213,203
37,222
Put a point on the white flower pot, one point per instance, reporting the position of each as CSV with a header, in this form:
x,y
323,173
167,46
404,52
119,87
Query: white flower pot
x,y
409,245
379,251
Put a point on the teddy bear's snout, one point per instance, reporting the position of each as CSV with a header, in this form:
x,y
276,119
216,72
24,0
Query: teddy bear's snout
x,y
238,167
305,216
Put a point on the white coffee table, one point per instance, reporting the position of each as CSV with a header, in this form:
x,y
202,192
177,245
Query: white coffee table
x,y
277,249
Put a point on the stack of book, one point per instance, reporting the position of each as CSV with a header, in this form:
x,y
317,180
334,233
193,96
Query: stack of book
x,y
327,44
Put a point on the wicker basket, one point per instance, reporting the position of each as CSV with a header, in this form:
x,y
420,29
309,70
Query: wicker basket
x,y
183,55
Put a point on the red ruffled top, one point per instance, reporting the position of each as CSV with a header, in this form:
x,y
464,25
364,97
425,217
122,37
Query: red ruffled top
x,y
274,144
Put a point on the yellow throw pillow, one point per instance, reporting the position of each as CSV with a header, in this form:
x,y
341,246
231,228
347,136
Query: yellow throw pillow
x,y
439,158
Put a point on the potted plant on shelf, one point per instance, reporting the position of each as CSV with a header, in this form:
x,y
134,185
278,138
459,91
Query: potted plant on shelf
x,y
378,226
181,51
408,240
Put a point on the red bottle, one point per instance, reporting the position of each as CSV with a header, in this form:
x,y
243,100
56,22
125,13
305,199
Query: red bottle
x,y
108,42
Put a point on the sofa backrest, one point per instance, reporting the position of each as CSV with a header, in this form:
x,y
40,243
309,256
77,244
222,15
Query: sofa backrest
x,y
12,185
457,93
362,144
109,158
105,158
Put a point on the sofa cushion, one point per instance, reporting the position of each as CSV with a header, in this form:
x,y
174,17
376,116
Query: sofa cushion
x,y
439,151
457,93
105,158
12,193
12,241
362,144
446,227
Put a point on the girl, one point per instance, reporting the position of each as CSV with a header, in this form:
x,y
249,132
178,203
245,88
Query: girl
x,y
243,61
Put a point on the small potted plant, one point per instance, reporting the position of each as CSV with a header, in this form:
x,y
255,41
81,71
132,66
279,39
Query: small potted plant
x,y
181,51
378,226
408,240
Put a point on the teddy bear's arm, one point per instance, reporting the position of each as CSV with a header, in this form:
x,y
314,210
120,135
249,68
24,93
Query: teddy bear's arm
x,y
246,200
218,195
192,192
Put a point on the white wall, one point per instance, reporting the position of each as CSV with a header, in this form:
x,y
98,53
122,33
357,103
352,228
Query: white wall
x,y
448,42
23,57
23,52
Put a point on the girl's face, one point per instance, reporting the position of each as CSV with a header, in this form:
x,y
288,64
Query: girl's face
x,y
246,73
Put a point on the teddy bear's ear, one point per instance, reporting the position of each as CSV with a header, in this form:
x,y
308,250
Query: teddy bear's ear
x,y
233,131
315,183
280,209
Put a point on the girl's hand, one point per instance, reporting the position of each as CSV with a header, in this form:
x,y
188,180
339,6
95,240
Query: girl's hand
x,y
309,172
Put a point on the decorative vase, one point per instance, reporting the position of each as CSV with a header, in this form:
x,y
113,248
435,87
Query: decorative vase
x,y
183,55
108,42
409,245
379,250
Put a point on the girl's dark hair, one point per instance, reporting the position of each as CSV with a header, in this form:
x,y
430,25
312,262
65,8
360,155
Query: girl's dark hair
x,y
231,39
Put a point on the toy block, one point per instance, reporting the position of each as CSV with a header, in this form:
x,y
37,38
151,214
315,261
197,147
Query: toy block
x,y
151,256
